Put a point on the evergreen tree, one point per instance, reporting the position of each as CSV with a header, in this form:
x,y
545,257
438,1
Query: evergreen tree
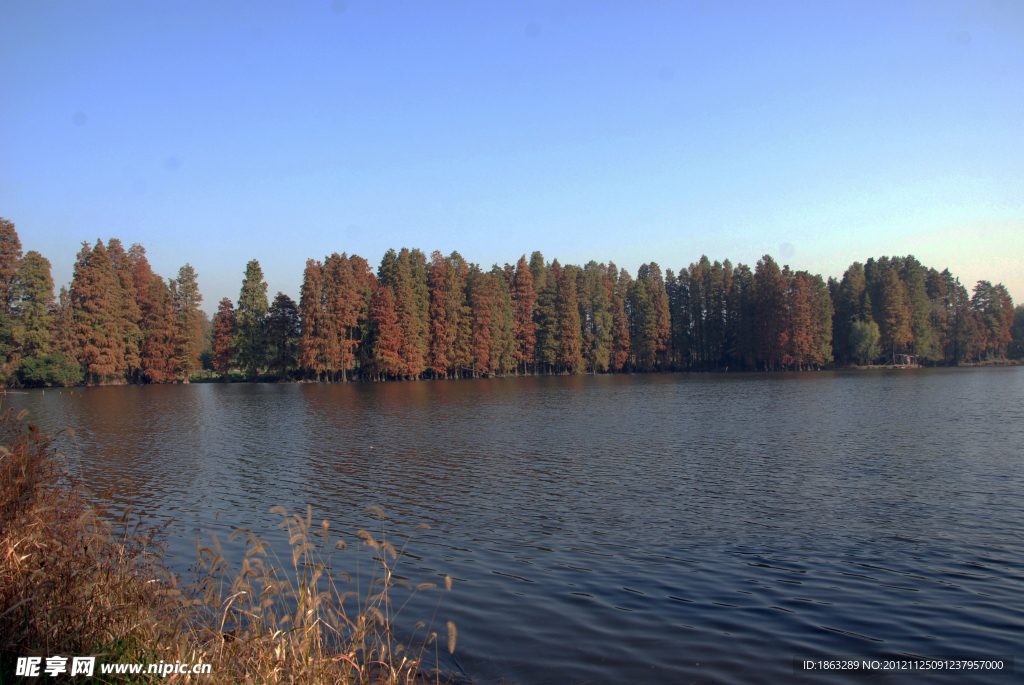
x,y
1017,333
538,270
770,329
481,294
622,345
740,321
224,331
597,322
913,275
644,333
459,315
654,286
994,310
849,308
34,305
823,314
503,341
189,320
546,318
567,309
251,316
283,332
64,333
894,324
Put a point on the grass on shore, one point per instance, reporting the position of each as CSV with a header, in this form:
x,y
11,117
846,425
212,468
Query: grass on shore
x,y
75,581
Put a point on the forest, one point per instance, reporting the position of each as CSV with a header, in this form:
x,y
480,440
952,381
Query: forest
x,y
443,317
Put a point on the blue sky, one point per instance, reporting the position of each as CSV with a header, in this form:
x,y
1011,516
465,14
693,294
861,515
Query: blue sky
x,y
214,132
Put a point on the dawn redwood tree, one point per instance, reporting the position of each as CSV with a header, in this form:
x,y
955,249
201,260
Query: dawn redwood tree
x,y
10,261
127,314
408,303
189,321
224,331
283,334
523,299
386,341
800,321
437,276
313,338
160,333
251,316
95,329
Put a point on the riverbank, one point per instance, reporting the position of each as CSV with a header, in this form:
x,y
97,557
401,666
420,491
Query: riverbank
x,y
78,583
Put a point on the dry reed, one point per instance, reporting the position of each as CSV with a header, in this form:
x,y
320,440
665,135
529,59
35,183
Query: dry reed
x,y
78,581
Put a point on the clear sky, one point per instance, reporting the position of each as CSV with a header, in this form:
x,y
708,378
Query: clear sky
x,y
218,132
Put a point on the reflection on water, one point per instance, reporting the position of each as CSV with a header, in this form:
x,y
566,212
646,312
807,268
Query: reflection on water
x,y
622,528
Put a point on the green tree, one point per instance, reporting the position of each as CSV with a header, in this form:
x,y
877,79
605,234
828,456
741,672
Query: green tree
x,y
914,276
189,319
863,343
34,306
895,321
1017,333
546,318
251,316
283,335
644,332
567,308
770,328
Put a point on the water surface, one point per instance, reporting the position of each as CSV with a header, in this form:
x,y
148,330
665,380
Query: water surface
x,y
612,529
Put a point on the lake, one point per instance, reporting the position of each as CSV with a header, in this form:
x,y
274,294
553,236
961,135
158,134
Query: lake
x,y
619,528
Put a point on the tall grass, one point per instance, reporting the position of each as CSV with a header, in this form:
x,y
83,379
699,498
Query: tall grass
x,y
77,581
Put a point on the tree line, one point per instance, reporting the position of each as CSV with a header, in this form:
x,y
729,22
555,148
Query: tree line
x,y
443,317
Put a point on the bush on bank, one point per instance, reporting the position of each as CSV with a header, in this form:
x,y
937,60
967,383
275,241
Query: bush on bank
x,y
76,581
